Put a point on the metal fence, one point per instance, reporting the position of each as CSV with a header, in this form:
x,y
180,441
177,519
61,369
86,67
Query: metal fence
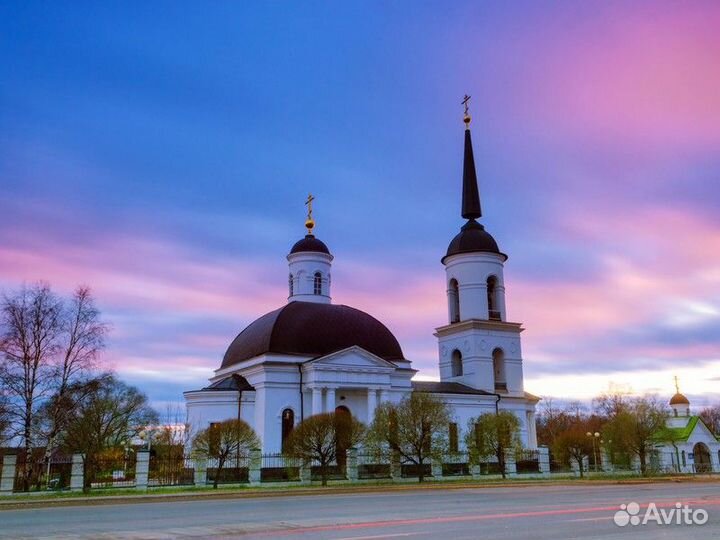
x,y
279,468
235,470
42,475
110,472
527,462
456,464
171,470
373,465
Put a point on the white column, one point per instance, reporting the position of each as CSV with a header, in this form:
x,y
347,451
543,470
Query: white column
x,y
316,400
371,404
330,400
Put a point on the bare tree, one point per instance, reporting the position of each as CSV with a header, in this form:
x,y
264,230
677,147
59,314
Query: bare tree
x,y
223,441
81,338
31,323
4,419
611,403
109,416
493,434
711,417
320,439
574,444
416,428
632,428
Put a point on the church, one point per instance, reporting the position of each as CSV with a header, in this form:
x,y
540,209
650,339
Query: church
x,y
312,356
685,444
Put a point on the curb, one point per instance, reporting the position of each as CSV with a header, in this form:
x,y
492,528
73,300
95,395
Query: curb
x,y
10,504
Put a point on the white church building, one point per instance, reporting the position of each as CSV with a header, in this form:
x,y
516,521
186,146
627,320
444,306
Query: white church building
x,y
311,356
685,444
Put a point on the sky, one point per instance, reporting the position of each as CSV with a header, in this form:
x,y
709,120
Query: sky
x,y
161,152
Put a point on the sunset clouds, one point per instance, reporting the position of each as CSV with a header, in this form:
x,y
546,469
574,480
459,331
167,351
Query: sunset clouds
x,y
163,160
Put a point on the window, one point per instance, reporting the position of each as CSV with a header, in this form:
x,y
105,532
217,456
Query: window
x,y
498,357
453,437
290,284
684,460
493,312
675,411
454,301
456,363
317,283
288,423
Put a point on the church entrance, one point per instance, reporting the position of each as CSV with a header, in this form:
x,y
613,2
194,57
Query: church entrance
x,y
702,458
342,429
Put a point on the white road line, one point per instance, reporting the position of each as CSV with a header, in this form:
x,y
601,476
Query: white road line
x,y
375,537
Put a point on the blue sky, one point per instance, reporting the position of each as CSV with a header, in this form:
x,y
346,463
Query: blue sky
x,y
162,153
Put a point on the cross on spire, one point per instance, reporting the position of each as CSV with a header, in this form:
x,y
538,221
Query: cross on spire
x,y
465,101
466,116
677,385
309,222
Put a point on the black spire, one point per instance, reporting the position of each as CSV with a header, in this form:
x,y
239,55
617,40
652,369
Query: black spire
x,y
470,195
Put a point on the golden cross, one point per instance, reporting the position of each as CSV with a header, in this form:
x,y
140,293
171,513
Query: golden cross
x,y
308,203
677,385
465,102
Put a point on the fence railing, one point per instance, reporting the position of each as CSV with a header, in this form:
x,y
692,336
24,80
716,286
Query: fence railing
x,y
279,468
110,472
175,470
42,475
142,470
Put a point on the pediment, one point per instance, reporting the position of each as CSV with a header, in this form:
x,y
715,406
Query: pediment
x,y
351,358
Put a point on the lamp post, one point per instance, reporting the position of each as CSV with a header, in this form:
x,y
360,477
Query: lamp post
x,y
595,436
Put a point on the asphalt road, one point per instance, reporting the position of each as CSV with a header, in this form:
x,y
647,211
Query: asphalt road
x,y
539,512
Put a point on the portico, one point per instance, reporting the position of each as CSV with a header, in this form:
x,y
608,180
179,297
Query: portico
x,y
353,378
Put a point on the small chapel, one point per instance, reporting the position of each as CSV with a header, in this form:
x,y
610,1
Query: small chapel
x,y
311,356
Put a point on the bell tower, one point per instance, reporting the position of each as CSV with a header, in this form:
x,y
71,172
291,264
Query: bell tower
x,y
478,347
309,263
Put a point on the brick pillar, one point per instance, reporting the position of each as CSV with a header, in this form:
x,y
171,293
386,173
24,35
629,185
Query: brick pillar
x,y
142,469
351,468
395,469
77,473
510,464
7,477
605,462
255,467
200,474
544,460
436,467
475,470
305,473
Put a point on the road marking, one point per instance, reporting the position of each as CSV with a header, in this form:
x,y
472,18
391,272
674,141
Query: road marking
x,y
377,536
461,518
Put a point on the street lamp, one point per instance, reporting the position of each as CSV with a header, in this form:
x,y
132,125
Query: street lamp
x,y
595,436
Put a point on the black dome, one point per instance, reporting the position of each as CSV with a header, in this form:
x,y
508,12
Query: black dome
x,y
473,238
310,243
312,329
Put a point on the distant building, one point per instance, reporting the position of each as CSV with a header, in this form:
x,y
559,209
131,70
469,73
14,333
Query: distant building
x,y
311,356
686,444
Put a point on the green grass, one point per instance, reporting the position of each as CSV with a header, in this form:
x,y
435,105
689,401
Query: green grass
x,y
126,494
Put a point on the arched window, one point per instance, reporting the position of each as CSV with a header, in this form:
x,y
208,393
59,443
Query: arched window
x,y
453,437
498,357
493,312
288,423
684,460
454,301
290,284
675,411
456,363
317,283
